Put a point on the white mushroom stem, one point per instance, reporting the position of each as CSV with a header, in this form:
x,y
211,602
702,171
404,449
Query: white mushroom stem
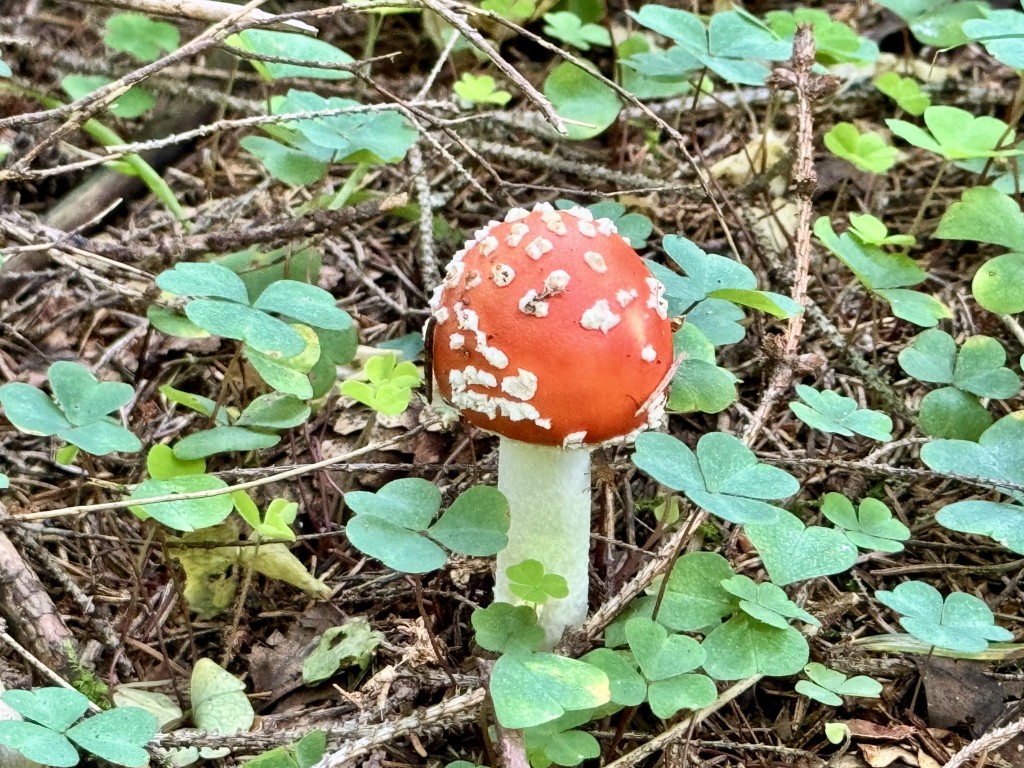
x,y
548,491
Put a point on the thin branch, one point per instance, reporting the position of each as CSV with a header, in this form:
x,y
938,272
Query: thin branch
x,y
447,12
303,469
210,11
986,743
808,87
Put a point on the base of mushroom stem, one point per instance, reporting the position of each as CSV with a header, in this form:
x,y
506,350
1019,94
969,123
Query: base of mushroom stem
x,y
548,490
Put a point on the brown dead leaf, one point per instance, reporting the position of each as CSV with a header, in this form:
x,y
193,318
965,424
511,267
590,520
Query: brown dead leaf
x,y
880,757
865,729
960,691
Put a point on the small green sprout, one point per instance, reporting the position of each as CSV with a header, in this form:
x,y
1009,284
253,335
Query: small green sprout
x,y
570,29
480,89
905,91
870,230
389,390
868,151
828,686
529,582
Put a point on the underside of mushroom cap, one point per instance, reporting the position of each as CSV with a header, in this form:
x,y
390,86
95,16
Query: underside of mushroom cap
x,y
551,330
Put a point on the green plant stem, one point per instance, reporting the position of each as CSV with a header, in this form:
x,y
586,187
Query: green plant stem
x,y
372,31
107,137
548,491
927,199
349,187
1014,327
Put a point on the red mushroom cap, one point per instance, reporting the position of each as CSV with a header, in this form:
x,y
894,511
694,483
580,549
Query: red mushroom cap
x,y
551,330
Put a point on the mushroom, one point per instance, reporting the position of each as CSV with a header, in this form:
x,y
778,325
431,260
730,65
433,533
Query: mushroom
x,y
551,332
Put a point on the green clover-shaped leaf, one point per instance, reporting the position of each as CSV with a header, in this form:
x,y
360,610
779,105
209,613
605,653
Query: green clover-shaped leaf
x,y
530,582
1002,34
118,735
978,366
998,454
743,647
937,22
480,89
996,284
829,411
1000,521
659,654
905,91
140,36
765,602
389,390
868,151
694,598
954,414
559,742
199,445
390,525
961,622
871,526
875,268
834,41
476,523
915,307
513,10
79,416
82,398
689,691
870,230
54,708
985,215
570,29
276,410
530,689
203,280
38,744
723,476
579,96
31,411
394,524
628,687
729,46
956,134
504,628
292,46
132,103
699,384
185,514
792,552
304,303
828,686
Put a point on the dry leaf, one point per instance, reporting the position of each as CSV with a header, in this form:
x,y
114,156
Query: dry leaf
x,y
880,757
865,729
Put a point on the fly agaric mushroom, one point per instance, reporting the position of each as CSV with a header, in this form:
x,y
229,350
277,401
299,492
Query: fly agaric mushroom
x,y
551,332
